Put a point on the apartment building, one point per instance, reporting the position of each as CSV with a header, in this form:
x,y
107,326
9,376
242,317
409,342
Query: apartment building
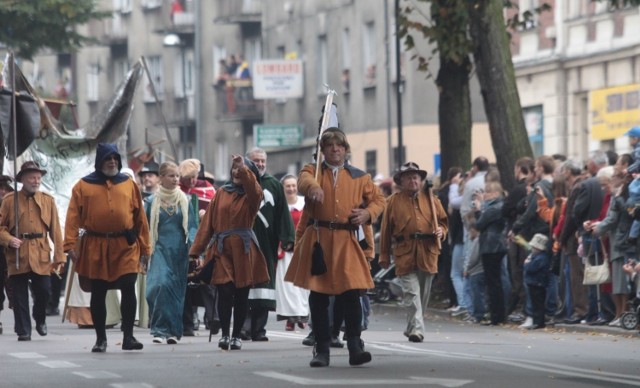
x,y
578,74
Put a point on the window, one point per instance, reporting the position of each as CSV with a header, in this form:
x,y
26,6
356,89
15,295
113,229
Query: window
x,y
527,14
322,75
346,49
280,52
534,123
395,156
120,70
155,70
369,54
179,73
222,161
371,162
93,77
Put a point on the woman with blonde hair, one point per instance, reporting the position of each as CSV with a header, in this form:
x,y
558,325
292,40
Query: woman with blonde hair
x,y
173,221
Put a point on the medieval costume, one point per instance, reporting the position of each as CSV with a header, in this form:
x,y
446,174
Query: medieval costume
x,y
172,224
226,235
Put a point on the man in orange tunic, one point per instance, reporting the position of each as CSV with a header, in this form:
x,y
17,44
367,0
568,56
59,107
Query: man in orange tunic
x,y
107,205
337,203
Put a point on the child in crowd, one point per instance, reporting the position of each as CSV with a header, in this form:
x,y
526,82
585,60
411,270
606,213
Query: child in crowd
x,y
536,276
633,203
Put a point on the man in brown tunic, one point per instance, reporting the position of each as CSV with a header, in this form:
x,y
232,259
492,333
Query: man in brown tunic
x,y
410,232
107,205
37,222
338,202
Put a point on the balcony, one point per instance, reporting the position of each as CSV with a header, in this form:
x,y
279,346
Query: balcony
x,y
235,101
114,30
239,11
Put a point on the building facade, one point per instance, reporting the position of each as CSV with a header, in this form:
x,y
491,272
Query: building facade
x,y
578,74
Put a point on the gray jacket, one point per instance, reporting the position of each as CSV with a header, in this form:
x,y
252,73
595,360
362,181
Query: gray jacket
x,y
617,224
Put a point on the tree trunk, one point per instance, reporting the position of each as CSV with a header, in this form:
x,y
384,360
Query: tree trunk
x,y
498,86
454,115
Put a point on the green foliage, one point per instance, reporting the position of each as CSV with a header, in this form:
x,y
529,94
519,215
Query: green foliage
x,y
28,26
446,25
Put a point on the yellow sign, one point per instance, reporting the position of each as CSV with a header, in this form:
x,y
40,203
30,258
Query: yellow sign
x,y
614,111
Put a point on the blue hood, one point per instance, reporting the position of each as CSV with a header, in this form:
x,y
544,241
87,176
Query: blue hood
x,y
102,152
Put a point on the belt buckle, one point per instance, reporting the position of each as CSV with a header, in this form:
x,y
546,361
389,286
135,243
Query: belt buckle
x,y
332,225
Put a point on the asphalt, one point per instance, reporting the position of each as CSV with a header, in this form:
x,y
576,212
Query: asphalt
x,y
437,314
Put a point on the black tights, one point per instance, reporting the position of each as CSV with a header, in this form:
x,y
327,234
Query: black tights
x,y
234,298
352,310
128,304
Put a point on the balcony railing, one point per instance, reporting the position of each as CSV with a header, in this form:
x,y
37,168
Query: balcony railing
x,y
239,11
235,101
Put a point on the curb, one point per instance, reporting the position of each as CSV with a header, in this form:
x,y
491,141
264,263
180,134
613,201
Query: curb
x,y
392,308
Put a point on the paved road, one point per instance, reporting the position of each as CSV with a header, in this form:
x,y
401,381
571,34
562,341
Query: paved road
x,y
454,354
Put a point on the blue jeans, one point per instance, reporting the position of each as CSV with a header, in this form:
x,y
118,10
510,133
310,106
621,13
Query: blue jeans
x,y
477,286
457,269
551,302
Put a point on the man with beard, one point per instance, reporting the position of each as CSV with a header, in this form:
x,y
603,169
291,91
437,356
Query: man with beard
x,y
25,238
107,204
273,228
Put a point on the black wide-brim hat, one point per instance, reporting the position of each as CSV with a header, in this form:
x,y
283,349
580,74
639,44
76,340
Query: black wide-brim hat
x,y
409,167
29,166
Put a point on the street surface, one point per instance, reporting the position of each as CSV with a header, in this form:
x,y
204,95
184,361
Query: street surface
x,y
454,354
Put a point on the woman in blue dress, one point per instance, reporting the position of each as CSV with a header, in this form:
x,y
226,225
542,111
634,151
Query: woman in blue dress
x,y
173,222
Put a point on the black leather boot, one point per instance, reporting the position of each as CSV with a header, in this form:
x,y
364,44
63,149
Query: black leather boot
x,y
357,355
320,355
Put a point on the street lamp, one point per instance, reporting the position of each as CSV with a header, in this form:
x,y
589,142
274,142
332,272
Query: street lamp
x,y
173,40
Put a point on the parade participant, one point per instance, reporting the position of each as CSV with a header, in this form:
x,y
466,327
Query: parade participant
x,y
292,303
5,187
192,185
27,235
273,228
225,232
411,227
172,226
339,201
150,178
107,205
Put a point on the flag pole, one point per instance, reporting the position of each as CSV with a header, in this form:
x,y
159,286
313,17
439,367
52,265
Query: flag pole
x,y
14,148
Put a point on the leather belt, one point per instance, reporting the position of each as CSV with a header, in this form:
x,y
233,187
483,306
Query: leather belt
x,y
415,236
30,235
104,235
333,225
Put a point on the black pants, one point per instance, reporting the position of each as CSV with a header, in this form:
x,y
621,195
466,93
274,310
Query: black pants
x,y
188,310
538,296
4,281
128,302
236,299
351,308
492,263
40,288
516,256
